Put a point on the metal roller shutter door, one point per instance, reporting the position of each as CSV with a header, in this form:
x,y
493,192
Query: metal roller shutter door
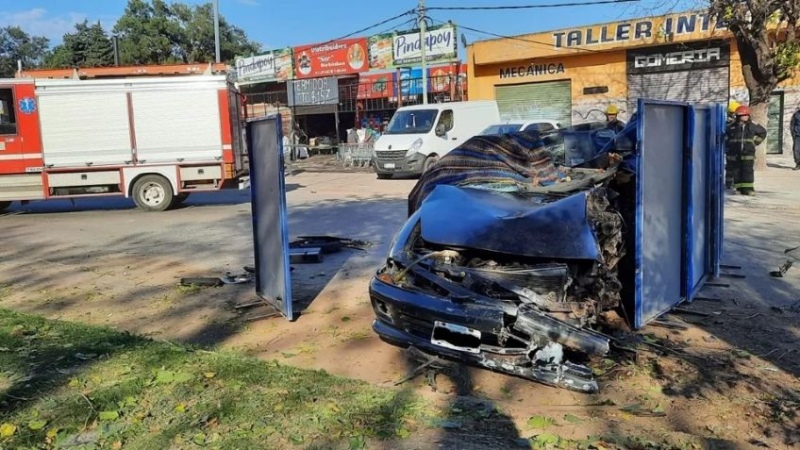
x,y
549,100
775,124
694,86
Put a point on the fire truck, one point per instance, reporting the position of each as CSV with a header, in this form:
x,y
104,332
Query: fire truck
x,y
156,139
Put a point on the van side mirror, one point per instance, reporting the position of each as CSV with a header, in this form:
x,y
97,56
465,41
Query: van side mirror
x,y
441,130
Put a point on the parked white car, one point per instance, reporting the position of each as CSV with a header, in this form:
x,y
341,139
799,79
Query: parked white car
x,y
543,126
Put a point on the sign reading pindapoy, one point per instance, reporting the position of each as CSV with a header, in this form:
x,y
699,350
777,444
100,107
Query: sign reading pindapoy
x,y
273,65
440,45
256,67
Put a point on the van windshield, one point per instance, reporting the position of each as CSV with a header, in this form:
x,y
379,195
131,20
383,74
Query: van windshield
x,y
417,121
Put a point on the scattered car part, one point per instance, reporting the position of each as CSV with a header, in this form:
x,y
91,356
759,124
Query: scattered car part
x,y
228,278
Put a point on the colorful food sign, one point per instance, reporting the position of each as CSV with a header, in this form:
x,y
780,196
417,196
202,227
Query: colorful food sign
x,y
379,85
347,56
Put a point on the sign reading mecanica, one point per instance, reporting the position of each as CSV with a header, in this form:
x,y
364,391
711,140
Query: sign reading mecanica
x,y
440,45
622,32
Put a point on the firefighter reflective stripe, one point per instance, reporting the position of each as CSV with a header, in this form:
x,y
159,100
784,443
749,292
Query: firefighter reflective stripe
x,y
745,140
744,185
747,158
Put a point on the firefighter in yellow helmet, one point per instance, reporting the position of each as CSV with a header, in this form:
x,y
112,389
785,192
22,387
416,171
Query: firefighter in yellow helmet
x,y
732,106
611,119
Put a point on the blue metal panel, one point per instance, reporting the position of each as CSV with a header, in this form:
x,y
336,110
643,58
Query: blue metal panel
x,y
270,214
700,213
717,155
660,216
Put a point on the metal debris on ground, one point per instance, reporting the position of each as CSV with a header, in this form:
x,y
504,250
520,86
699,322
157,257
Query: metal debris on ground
x,y
228,278
787,265
328,244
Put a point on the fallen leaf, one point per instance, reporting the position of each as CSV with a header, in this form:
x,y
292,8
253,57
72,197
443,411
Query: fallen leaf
x,y
182,377
540,422
572,419
7,430
109,415
546,439
199,439
37,424
209,375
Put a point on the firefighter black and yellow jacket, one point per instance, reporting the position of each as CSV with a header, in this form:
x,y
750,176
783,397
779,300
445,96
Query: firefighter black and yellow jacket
x,y
741,138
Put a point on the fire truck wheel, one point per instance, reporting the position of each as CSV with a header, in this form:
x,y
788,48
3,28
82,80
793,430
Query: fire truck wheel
x,y
4,205
152,193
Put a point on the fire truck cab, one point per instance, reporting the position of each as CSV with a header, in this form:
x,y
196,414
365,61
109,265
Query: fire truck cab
x,y
155,139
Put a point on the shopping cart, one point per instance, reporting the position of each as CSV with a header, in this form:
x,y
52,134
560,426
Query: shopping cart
x,y
356,155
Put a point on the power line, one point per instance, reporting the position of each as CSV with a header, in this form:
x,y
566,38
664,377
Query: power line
x,y
515,38
512,7
383,22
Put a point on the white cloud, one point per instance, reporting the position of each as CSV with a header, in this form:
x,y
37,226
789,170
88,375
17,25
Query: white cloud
x,y
39,22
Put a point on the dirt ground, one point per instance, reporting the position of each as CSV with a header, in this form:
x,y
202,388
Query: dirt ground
x,y
727,377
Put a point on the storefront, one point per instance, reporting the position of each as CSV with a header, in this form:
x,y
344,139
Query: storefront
x,y
328,88
572,75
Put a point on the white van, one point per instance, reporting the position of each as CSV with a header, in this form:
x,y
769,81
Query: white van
x,y
417,136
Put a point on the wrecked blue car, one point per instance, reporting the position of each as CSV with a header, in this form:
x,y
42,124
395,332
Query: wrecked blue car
x,y
507,261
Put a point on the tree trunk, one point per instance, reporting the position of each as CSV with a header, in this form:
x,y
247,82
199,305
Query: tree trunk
x,y
758,114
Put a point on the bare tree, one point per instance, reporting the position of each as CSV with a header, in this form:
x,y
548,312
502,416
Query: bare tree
x,y
766,35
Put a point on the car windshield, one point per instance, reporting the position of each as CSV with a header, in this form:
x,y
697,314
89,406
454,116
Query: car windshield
x,y
412,122
501,129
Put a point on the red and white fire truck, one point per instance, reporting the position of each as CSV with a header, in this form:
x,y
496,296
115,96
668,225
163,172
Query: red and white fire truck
x,y
156,140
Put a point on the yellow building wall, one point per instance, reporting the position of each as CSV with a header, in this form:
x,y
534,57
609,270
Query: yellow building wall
x,y
587,70
670,29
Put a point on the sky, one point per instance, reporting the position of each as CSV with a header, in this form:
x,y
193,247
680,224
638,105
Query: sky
x,y
281,23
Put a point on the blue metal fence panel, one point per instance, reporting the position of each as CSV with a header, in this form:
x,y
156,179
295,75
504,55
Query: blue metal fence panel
x,y
270,214
699,206
661,208
718,186
679,203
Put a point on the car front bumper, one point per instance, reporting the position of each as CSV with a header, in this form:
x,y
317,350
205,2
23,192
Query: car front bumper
x,y
387,164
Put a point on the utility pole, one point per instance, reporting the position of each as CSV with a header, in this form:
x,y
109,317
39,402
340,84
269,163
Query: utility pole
x,y
421,12
216,29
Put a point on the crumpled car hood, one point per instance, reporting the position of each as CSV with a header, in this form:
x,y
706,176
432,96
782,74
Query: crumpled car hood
x,y
504,223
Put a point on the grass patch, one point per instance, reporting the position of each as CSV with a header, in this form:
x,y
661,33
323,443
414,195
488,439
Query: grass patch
x,y
72,385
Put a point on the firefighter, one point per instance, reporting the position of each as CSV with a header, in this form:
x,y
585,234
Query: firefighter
x,y
795,129
741,138
730,159
611,119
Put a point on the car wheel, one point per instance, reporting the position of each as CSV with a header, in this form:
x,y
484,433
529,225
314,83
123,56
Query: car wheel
x,y
429,162
153,193
4,206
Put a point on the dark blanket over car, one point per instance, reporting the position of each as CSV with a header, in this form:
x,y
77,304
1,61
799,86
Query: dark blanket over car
x,y
506,261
